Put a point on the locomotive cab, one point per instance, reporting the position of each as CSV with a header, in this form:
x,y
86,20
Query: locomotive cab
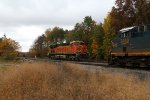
x,y
79,48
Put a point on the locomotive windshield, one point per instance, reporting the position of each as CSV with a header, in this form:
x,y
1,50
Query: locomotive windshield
x,y
132,32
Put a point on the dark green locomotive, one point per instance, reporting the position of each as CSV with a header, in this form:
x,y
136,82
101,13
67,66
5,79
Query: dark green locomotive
x,y
132,46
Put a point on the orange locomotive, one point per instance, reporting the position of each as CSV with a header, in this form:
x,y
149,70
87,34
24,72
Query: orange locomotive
x,y
73,51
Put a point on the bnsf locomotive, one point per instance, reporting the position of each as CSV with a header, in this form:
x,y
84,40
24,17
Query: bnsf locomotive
x,y
131,46
75,50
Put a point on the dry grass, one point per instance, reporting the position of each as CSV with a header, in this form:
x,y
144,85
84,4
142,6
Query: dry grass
x,y
47,81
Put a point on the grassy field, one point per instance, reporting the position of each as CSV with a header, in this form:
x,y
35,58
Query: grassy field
x,y
62,81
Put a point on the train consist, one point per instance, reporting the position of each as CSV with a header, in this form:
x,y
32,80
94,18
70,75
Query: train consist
x,y
131,47
75,50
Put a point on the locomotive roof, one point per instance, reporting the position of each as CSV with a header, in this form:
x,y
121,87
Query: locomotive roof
x,y
126,29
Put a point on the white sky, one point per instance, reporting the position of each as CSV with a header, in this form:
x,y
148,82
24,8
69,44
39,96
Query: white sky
x,y
25,20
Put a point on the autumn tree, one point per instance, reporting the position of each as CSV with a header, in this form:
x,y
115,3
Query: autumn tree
x,y
9,49
127,13
109,34
123,14
142,9
40,46
97,42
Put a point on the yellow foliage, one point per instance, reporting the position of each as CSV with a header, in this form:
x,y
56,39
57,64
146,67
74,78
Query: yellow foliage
x,y
107,23
94,47
8,48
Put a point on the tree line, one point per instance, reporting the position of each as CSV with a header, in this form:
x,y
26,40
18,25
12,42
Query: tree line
x,y
97,36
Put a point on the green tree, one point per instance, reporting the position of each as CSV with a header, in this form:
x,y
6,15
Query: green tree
x,y
77,33
55,35
40,47
84,31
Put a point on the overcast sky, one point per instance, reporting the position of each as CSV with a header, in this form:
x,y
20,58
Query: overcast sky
x,y
25,20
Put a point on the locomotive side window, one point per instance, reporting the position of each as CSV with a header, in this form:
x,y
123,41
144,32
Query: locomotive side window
x,y
124,35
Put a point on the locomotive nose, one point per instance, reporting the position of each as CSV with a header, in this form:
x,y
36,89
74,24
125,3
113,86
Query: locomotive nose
x,y
79,49
82,49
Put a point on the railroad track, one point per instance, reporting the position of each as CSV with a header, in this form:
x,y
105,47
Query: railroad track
x,y
93,63
141,73
106,65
